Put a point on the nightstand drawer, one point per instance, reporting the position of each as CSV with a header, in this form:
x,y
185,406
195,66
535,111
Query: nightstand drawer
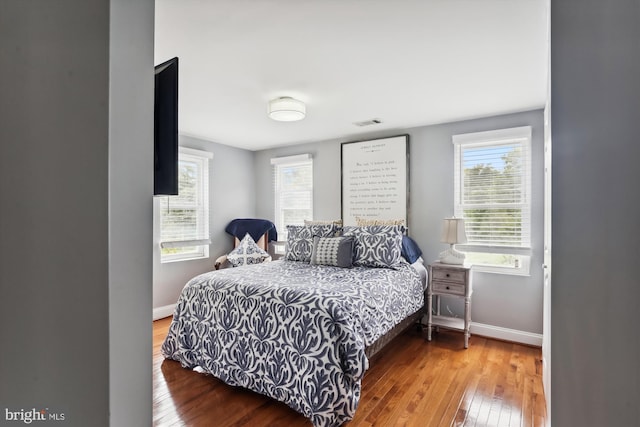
x,y
448,288
449,275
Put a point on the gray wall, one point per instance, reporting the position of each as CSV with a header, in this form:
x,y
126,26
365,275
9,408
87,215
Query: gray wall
x,y
130,211
499,300
232,195
595,110
65,272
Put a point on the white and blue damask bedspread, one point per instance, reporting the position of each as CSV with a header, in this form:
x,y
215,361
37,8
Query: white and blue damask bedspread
x,y
290,330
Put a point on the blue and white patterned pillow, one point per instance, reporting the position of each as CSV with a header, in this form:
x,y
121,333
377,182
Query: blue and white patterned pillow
x,y
300,240
247,253
335,251
376,245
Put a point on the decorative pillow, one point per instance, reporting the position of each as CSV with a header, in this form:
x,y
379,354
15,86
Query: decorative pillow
x,y
300,240
376,245
410,249
247,253
336,222
363,222
335,251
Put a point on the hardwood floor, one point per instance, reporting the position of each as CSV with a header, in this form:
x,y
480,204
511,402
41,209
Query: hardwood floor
x,y
412,382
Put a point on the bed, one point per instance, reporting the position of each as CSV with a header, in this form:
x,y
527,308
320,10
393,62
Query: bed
x,y
297,331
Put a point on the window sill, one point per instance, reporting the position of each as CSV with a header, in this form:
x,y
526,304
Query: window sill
x,y
501,270
192,258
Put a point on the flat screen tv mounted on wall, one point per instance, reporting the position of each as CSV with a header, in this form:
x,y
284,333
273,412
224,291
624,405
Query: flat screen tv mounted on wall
x,y
165,129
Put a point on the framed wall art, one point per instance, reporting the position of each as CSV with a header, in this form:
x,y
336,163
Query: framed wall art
x,y
375,179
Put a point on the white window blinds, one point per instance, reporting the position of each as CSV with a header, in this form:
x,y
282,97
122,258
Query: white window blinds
x,y
184,219
493,189
293,190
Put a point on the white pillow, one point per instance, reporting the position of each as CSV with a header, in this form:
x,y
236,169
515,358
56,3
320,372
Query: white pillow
x,y
247,253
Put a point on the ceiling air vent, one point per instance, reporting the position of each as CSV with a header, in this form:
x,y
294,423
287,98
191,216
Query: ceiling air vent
x,y
368,122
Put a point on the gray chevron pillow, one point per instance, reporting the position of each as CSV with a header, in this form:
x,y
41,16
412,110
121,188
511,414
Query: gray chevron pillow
x,y
335,251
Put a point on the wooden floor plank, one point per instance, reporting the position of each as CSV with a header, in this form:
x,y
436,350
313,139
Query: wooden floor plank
x,y
412,382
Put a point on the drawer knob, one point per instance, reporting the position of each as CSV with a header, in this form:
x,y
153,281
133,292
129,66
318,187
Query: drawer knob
x,y
448,287
448,275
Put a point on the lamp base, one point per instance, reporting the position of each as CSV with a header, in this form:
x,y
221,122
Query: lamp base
x,y
451,256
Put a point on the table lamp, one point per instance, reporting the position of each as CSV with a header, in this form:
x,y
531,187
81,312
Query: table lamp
x,y
452,232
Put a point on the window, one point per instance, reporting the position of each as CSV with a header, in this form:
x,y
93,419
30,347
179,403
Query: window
x,y
184,219
293,189
493,194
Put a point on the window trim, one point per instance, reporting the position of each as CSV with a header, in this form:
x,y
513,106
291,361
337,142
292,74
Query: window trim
x,y
203,158
491,139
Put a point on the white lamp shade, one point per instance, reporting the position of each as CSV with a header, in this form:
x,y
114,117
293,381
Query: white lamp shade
x,y
453,231
287,109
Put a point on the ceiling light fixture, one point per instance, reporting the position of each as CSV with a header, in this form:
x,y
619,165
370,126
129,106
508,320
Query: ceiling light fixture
x,y
287,109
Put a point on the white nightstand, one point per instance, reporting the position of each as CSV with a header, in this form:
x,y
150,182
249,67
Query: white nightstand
x,y
451,280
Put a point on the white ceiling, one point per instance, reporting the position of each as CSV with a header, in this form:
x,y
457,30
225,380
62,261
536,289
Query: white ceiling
x,y
406,62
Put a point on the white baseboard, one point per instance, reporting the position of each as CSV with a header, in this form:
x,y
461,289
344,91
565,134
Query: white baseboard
x,y
506,334
162,312
501,333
